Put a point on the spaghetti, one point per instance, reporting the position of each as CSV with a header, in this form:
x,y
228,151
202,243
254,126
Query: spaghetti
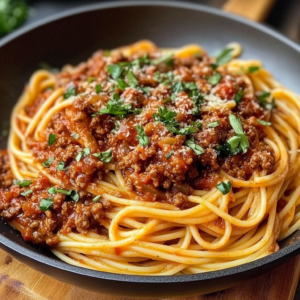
x,y
155,162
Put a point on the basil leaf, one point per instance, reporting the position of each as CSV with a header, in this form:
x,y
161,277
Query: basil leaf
x,y
234,141
253,69
75,135
71,91
197,124
265,123
170,154
224,187
236,124
263,100
224,57
79,156
105,156
98,88
27,192
62,191
96,198
115,71
48,162
46,203
195,147
23,183
238,97
86,151
142,137
213,124
215,79
117,127
51,139
61,166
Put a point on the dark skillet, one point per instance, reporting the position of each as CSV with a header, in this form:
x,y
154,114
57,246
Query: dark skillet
x,y
72,37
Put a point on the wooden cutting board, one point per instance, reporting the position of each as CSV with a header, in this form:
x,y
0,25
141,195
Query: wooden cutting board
x,y
19,282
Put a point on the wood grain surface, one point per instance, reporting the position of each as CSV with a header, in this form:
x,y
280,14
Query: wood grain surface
x,y
19,282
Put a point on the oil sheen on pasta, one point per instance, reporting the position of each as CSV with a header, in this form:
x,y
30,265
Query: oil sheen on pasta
x,y
154,162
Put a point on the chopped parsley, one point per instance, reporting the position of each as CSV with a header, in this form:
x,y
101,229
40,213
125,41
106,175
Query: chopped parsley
x,y
195,147
48,162
51,139
215,79
213,124
117,127
52,190
28,192
61,166
168,59
74,195
142,137
84,153
115,71
105,156
164,78
197,124
236,124
22,183
96,198
91,79
98,88
224,187
238,97
224,57
71,91
170,154
46,203
122,85
75,135
253,69
132,80
262,97
265,123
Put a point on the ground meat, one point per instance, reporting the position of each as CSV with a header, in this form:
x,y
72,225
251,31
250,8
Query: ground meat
x,y
6,176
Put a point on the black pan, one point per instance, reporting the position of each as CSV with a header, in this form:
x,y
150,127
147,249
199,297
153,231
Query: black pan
x,y
72,37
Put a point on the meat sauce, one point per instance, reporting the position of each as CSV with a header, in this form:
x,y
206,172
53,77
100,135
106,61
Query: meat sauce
x,y
163,169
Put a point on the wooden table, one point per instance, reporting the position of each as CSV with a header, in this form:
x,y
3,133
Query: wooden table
x,y
19,282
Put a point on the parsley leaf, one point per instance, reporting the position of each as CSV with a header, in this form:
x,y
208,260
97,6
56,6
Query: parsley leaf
x,y
197,124
71,91
48,162
253,69
52,190
142,137
213,124
166,58
238,129
105,156
170,154
265,123
195,147
122,85
224,57
115,71
61,166
85,152
238,97
215,79
98,88
46,203
74,195
96,198
262,97
117,126
224,187
75,135
51,139
132,80
22,183
27,193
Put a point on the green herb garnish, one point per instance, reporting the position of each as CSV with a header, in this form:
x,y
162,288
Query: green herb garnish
x,y
46,203
51,139
132,80
85,152
224,187
170,154
253,69
91,79
213,124
263,101
98,88
238,97
96,198
27,192
215,79
61,166
23,183
265,123
238,129
122,85
115,71
195,147
52,190
48,162
71,91
224,57
75,135
142,137
168,59
105,156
